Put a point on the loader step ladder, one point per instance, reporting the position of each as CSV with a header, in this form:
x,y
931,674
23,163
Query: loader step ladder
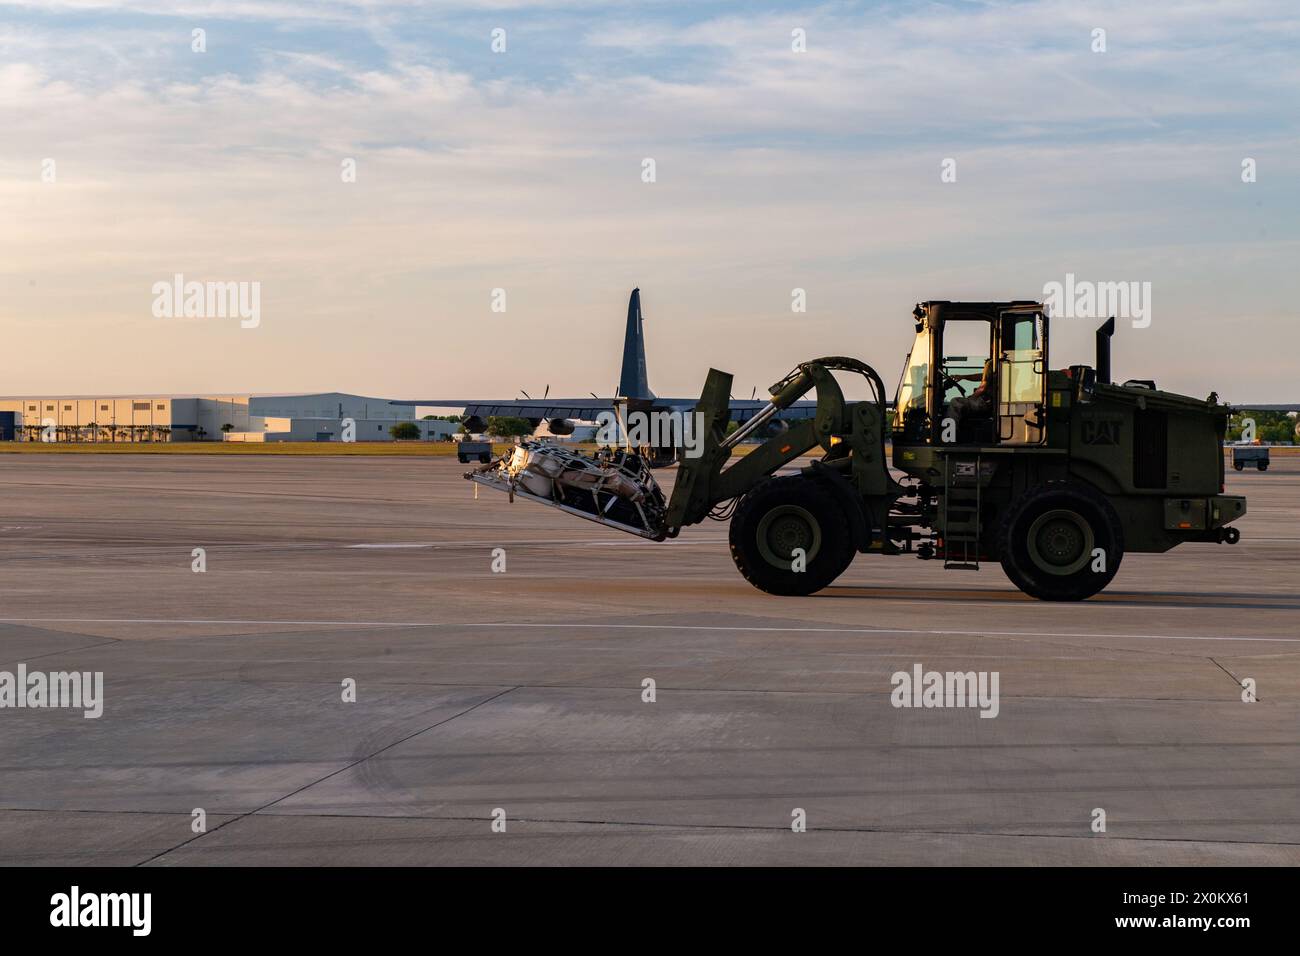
x,y
961,513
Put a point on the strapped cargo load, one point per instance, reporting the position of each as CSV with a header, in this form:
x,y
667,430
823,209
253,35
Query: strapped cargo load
x,y
614,488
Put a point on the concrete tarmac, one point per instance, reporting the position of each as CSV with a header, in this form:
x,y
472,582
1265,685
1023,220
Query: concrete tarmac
x,y
522,692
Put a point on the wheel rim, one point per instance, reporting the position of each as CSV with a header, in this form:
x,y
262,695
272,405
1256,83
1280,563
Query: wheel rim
x,y
785,528
1060,541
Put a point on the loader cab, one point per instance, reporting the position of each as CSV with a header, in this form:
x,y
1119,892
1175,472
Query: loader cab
x,y
976,376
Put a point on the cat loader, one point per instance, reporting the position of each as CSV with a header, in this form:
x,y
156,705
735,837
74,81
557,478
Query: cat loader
x,y
1055,474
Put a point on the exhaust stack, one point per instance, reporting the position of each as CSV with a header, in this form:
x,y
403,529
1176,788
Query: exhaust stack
x,y
1104,333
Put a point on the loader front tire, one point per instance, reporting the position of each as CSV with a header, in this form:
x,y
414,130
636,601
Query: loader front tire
x,y
783,514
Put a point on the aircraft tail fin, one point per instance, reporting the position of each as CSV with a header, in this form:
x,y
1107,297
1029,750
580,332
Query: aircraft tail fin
x,y
633,381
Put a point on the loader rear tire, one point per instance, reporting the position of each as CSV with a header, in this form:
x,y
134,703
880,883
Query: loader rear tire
x,y
1061,541
780,515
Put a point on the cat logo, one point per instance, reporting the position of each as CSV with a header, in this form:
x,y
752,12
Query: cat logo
x,y
1100,431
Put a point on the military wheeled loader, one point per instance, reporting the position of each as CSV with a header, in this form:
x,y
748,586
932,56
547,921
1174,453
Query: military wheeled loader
x,y
1054,474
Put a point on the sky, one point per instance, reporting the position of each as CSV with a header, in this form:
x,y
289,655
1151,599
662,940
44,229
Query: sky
x,y
908,151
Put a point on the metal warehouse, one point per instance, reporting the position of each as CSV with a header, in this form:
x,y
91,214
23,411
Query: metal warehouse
x,y
322,416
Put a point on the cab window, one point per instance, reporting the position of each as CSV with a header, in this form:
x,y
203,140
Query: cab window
x,y
1021,385
916,376
965,351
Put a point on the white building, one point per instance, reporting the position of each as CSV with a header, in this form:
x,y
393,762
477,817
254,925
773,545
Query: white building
x,y
317,417
265,428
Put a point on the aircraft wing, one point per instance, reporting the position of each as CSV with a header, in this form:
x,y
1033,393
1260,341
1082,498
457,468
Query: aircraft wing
x,y
580,409
586,409
744,409
1252,407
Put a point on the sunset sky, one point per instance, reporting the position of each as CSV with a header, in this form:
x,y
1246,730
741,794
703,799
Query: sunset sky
x,y
522,170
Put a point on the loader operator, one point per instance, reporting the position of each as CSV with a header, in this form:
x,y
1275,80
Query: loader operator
x,y
979,401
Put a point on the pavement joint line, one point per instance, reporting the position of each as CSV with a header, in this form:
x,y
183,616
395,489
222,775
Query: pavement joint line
x,y
1010,599
1235,679
209,492
997,598
642,824
146,550
66,650
796,692
777,829
157,813
802,751
655,825
616,625
327,776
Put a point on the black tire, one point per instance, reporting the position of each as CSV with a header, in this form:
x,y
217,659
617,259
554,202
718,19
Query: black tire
x,y
485,458
780,515
462,459
1262,466
1048,537
1238,465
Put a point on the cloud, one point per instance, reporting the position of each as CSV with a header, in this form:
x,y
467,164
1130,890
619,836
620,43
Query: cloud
x,y
775,170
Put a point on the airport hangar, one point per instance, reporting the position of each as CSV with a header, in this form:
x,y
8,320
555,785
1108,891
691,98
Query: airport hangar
x,y
183,418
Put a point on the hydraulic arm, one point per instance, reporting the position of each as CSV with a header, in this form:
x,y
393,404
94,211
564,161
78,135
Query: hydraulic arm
x,y
850,433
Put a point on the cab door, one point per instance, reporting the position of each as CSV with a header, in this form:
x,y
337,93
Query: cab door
x,y
1022,377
